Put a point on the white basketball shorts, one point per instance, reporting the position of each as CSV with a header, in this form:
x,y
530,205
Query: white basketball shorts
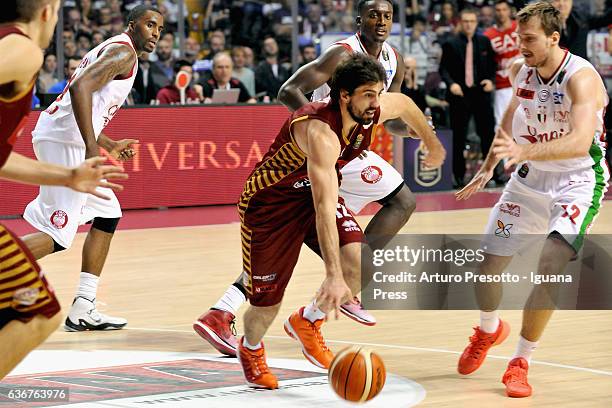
x,y
58,211
501,102
541,202
368,179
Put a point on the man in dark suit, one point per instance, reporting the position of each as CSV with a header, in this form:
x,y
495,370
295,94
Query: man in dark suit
x,y
468,69
270,74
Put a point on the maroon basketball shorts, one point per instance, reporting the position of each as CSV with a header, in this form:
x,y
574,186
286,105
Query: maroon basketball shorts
x,y
272,236
24,291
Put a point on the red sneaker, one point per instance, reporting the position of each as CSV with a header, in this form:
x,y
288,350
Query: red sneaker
x,y
255,368
480,342
217,327
308,334
515,378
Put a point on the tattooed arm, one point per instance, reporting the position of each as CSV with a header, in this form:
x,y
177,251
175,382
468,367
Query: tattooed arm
x,y
116,60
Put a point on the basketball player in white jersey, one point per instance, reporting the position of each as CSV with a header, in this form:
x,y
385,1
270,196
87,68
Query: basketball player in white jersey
x,y
556,119
69,132
364,180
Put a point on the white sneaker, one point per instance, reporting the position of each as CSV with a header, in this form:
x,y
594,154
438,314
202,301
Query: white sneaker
x,y
84,316
356,312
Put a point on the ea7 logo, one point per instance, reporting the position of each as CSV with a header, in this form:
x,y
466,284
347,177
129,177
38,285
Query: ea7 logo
x,y
502,230
561,116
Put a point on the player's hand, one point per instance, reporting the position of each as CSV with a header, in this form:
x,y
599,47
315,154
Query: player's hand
x,y
92,174
124,149
434,155
504,147
456,89
333,293
487,85
478,182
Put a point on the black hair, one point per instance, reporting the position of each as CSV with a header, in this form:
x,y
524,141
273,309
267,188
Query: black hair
x,y
181,63
358,70
362,3
139,11
20,10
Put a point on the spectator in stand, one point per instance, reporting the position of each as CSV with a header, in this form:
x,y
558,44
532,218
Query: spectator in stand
x,y
193,50
468,69
249,57
83,43
216,44
504,41
70,49
164,61
270,74
445,21
487,17
312,26
86,10
149,80
47,75
116,13
241,72
577,26
105,18
170,94
67,35
308,53
70,66
97,38
222,70
74,21
419,46
416,91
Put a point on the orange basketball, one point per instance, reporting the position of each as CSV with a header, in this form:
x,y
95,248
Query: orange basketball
x,y
357,374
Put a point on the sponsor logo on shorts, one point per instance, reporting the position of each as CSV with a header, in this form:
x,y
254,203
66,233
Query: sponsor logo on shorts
x,y
503,230
371,174
350,225
266,288
523,171
265,278
510,209
59,219
26,296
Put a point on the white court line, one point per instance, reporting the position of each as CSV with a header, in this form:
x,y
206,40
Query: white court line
x,y
433,350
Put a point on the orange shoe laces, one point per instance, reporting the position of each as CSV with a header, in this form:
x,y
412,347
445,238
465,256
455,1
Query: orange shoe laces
x,y
516,374
478,344
318,336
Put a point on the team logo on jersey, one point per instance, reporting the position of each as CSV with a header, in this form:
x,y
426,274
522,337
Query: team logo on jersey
x,y
59,219
543,95
541,114
371,174
510,209
561,116
558,98
503,230
525,93
26,296
109,115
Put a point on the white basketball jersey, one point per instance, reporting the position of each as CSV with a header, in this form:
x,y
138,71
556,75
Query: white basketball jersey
x,y
58,123
543,113
387,57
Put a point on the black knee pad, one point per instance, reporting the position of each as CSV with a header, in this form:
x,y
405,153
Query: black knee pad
x,y
57,247
108,225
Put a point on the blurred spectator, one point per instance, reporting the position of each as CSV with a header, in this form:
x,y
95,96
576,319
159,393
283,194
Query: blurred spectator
x,y
47,75
248,23
149,80
216,44
170,94
418,47
270,74
70,67
577,26
164,61
222,79
170,37
97,38
249,57
487,17
468,68
308,53
105,19
83,43
115,11
445,20
193,51
312,26
86,10
67,35
414,90
504,41
241,72
347,24
70,49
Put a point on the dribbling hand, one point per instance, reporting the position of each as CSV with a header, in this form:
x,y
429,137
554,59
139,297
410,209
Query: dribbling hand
x,y
333,293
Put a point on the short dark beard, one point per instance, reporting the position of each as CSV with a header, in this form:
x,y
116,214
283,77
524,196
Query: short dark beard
x,y
356,118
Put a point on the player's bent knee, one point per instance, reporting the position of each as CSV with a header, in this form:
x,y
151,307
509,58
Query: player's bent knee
x,y
403,199
108,225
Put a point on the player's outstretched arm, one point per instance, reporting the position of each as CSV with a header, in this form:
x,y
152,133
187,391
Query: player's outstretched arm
x,y
396,105
310,77
583,122
116,60
90,175
322,148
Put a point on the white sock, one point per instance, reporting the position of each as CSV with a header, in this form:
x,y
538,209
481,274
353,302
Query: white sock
x,y
231,300
489,322
88,286
524,348
313,313
246,344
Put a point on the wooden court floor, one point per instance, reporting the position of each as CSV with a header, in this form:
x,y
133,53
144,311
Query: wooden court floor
x,y
162,279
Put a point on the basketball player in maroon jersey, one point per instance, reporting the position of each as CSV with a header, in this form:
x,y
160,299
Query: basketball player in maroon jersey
x,y
291,198
29,311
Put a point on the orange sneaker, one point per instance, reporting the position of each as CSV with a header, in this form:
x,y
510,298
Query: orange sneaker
x,y
255,368
309,336
480,342
515,378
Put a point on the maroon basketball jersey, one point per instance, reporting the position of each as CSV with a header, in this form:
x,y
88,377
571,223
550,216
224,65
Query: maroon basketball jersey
x,y
282,176
14,108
